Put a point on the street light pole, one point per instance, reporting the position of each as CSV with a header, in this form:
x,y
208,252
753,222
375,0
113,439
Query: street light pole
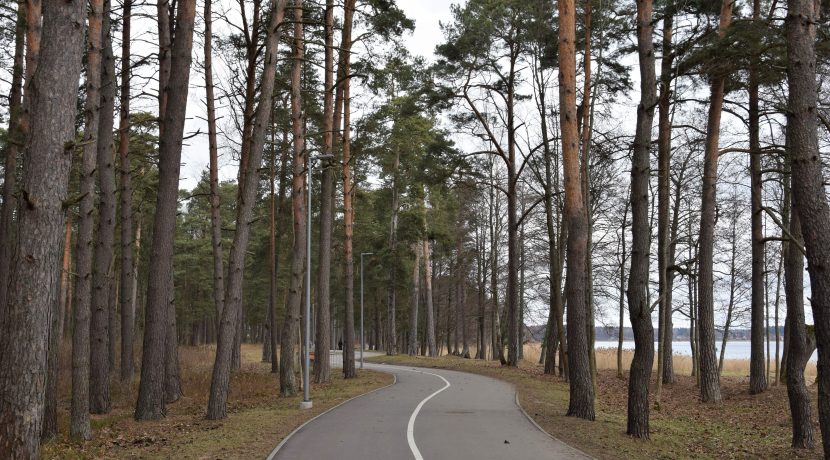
x,y
306,402
362,337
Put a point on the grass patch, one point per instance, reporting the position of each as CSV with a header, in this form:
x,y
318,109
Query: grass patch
x,y
258,419
743,426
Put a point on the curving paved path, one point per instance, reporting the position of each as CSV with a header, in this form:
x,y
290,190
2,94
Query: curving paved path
x,y
426,414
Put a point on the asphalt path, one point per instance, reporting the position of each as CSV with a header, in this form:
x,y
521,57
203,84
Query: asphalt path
x,y
426,414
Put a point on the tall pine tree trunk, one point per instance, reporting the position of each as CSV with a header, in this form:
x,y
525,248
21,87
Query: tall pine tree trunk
x,y
393,243
809,199
757,370
127,272
493,225
709,378
284,163
252,52
172,375
288,381
82,332
15,141
50,417
554,330
584,129
638,308
268,349
621,328
581,402
232,308
481,341
663,172
33,275
513,251
800,347
348,211
322,342
413,306
103,265
213,147
432,345
151,395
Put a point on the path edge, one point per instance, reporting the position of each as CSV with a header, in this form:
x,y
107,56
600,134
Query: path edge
x,y
539,427
273,453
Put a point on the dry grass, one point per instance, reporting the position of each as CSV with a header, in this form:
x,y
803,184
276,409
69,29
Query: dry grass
x,y
258,419
607,360
743,426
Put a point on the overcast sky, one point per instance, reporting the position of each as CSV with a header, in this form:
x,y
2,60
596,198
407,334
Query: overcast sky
x,y
427,15
427,34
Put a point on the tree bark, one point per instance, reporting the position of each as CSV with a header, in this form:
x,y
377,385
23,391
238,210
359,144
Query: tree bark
x,y
462,292
663,232
584,131
393,243
581,402
15,141
251,36
513,250
757,370
232,311
809,197
213,148
288,381
413,307
493,224
322,342
481,275
284,162
82,333
103,260
555,328
172,376
127,272
151,394
113,307
709,378
621,329
638,308
777,375
269,351
50,417
800,346
432,345
348,211
33,274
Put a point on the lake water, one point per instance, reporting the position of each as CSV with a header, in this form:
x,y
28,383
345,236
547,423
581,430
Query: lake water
x,y
738,349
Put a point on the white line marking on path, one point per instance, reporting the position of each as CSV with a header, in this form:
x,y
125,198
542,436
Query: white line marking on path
x,y
410,427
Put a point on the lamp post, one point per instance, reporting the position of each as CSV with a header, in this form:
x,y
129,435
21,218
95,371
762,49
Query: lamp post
x,y
362,337
306,402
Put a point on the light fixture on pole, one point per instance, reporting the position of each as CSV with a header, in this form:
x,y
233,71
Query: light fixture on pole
x,y
362,338
306,402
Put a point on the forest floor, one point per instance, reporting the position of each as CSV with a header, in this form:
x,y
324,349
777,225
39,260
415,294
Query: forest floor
x,y
258,419
743,426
